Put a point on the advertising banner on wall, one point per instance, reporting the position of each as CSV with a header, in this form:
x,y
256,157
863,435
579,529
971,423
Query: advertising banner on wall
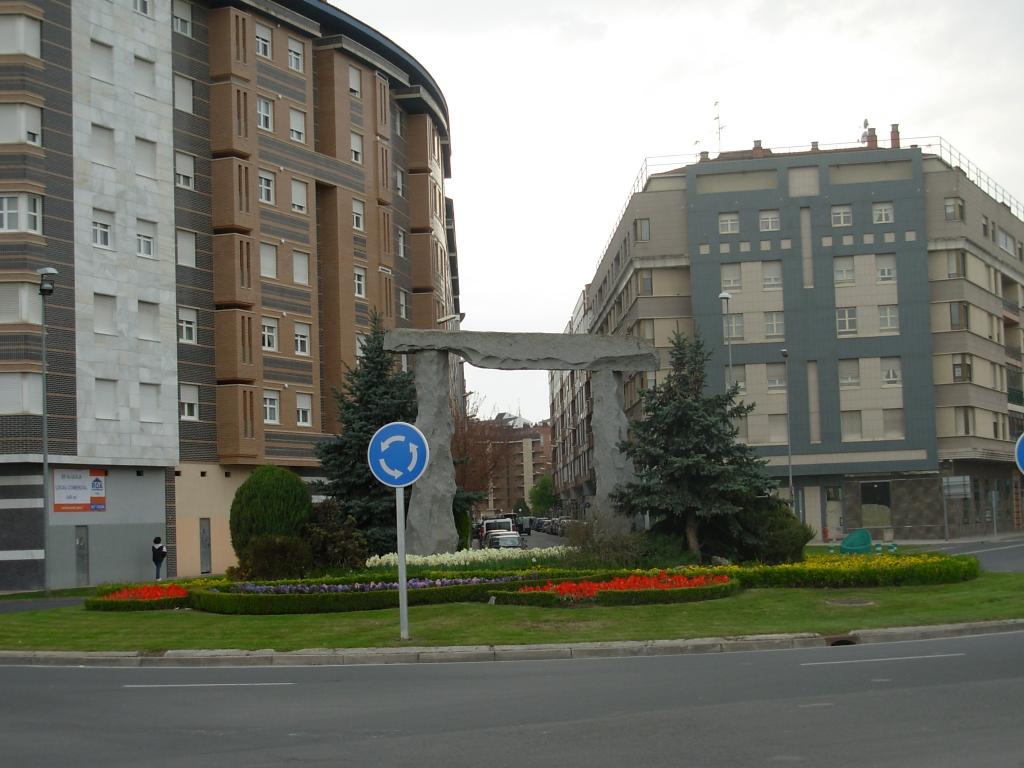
x,y
79,490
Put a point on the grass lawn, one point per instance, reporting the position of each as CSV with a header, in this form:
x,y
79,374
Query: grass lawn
x,y
991,596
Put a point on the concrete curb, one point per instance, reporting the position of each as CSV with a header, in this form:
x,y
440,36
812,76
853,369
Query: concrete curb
x,y
489,653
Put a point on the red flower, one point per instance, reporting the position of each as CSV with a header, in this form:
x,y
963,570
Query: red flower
x,y
587,590
148,592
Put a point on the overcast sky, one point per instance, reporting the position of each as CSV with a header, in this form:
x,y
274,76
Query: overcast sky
x,y
554,104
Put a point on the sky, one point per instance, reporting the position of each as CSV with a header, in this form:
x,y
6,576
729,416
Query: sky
x,y
555,104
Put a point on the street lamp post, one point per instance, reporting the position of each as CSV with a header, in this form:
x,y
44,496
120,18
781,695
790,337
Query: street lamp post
x,y
789,437
945,509
47,276
726,297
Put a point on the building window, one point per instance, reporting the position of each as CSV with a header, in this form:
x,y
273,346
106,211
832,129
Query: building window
x,y
184,170
842,216
776,374
733,326
892,372
187,322
104,314
264,41
641,230
105,399
778,431
181,17
846,321
296,54
300,267
141,6
849,372
300,191
963,369
964,420
268,334
769,221
400,182
185,247
645,280
728,223
882,213
398,122
265,187
358,214
954,208
21,213
842,270
771,275
359,275
356,144
188,402
402,244
145,238
149,402
732,278
302,331
145,158
736,375
102,229
303,409
101,59
403,304
20,123
360,344
271,406
264,113
183,94
850,424
145,77
774,324
149,320
956,262
355,82
885,265
1006,241
959,316
101,145
888,318
268,260
19,34
297,125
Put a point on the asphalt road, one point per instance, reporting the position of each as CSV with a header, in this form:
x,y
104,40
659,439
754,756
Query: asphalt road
x,y
939,703
1001,555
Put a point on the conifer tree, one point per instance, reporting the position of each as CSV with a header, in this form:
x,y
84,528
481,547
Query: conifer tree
x,y
689,465
374,393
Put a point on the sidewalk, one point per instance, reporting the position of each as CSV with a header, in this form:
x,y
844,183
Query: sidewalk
x,y
494,653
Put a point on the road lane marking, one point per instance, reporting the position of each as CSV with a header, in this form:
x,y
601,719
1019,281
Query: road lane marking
x,y
204,685
818,704
889,658
992,549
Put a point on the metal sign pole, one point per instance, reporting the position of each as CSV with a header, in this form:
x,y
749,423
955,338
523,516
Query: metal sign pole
x,y
403,587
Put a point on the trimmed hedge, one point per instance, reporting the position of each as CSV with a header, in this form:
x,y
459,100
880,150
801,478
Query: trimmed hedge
x,y
610,598
161,604
845,571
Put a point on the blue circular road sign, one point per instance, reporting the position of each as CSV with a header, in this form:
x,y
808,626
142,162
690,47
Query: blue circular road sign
x,y
398,454
1018,453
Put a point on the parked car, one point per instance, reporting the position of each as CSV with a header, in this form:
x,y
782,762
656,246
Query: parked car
x,y
540,523
505,541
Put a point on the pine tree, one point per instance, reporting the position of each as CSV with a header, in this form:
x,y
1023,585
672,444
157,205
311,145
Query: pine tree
x,y
688,462
375,393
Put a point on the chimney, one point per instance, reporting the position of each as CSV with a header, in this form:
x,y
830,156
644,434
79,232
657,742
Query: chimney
x,y
704,156
894,136
872,139
758,149
814,146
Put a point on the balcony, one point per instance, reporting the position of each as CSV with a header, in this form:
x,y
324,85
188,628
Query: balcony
x,y
233,281
1014,353
237,343
1015,396
239,424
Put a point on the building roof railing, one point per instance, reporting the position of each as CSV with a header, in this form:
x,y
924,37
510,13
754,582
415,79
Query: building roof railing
x,y
932,145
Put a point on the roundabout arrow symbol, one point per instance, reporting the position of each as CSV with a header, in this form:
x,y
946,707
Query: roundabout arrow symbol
x,y
395,473
414,452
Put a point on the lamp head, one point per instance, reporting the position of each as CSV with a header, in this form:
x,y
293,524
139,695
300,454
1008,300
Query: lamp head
x,y
785,353
47,280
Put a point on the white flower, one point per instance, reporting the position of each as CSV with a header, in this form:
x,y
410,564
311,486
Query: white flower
x,y
466,557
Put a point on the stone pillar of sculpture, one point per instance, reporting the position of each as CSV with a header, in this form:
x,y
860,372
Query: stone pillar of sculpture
x,y
610,427
431,528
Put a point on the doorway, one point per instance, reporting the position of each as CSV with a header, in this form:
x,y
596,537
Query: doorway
x,y
81,555
205,557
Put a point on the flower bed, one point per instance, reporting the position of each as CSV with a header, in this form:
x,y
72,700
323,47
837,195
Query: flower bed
x,y
838,571
251,588
632,589
142,597
466,557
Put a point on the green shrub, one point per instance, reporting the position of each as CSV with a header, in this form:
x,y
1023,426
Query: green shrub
x,y
539,599
275,557
333,539
765,532
272,502
162,604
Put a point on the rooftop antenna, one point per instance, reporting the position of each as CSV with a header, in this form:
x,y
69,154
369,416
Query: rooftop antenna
x,y
718,127
864,134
